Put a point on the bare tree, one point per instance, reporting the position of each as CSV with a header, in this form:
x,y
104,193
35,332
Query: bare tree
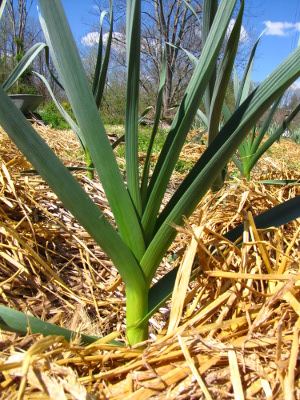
x,y
19,31
18,15
165,24
172,25
168,24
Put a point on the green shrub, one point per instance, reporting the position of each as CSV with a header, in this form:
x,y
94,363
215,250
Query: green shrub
x,y
183,166
22,88
51,115
296,136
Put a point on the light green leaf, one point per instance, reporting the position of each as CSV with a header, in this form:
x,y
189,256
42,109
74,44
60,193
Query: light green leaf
x,y
216,156
238,164
91,125
279,215
244,86
159,101
280,182
133,35
236,84
223,77
185,115
202,116
2,7
62,111
226,112
74,198
265,126
209,11
101,68
26,60
275,136
18,322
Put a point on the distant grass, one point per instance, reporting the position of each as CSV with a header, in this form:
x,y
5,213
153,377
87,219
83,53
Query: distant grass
x,y
182,166
145,132
144,138
52,117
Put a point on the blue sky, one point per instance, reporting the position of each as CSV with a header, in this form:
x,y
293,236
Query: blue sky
x,y
282,21
280,18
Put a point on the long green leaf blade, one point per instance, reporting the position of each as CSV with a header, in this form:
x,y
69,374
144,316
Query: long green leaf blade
x,y
159,101
24,64
62,111
101,68
133,35
251,136
185,115
236,84
265,126
202,117
226,112
280,182
223,75
2,7
18,322
216,156
276,216
275,136
91,125
96,79
51,50
72,195
244,86
238,164
187,4
209,11
279,215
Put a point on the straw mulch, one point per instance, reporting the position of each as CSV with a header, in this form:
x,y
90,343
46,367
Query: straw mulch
x,y
231,333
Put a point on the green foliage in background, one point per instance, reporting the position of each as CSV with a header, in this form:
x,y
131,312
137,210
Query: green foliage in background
x,y
217,110
296,136
254,145
51,116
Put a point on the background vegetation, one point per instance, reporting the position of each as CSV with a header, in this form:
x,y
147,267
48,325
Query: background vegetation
x,y
19,30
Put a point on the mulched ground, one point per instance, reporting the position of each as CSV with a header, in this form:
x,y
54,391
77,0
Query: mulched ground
x,y
231,333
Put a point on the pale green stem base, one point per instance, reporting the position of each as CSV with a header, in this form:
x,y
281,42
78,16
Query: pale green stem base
x,y
89,164
136,310
218,183
247,174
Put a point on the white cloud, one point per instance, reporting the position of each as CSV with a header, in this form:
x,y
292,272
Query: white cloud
x,y
281,28
90,39
244,37
296,85
118,40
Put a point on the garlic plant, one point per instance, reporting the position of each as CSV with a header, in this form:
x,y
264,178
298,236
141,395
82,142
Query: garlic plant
x,y
143,233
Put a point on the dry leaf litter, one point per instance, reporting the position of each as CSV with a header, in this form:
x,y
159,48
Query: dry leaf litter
x,y
233,332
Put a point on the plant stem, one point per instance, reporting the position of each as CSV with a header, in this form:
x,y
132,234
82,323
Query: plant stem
x,y
136,310
218,183
89,163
